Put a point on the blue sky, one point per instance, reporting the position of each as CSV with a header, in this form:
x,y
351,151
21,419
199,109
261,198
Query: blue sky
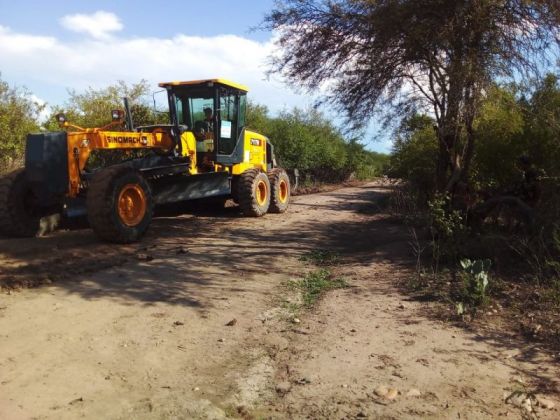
x,y
52,46
143,18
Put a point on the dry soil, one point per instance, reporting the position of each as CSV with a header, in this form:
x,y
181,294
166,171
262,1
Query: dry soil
x,y
119,332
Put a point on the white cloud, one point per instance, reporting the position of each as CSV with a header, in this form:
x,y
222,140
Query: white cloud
x,y
60,64
50,66
23,44
98,25
46,111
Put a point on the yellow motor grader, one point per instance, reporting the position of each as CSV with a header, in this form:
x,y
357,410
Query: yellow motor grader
x,y
205,151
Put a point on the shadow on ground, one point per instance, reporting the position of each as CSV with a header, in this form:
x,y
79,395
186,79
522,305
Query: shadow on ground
x,y
192,259
198,259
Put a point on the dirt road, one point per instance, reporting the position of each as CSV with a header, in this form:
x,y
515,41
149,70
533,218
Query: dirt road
x,y
119,332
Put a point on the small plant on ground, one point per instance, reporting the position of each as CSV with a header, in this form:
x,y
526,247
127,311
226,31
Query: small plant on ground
x,y
553,293
447,228
444,221
316,283
321,257
474,285
291,307
419,281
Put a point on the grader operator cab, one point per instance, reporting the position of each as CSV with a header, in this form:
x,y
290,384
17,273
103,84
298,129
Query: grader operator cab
x,y
205,151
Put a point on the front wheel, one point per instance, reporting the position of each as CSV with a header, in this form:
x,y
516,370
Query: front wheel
x,y
253,193
119,205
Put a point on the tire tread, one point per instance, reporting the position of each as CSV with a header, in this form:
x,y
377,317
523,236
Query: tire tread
x,y
100,206
246,194
11,222
274,176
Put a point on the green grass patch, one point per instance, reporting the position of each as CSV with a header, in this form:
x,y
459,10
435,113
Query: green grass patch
x,y
316,283
291,307
321,257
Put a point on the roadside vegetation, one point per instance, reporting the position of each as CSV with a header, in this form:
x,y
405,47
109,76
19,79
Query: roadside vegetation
x,y
304,139
19,115
314,284
496,240
308,141
477,134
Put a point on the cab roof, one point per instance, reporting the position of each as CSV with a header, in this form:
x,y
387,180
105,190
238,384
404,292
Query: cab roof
x,y
206,82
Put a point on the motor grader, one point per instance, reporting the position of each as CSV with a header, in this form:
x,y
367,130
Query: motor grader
x,y
205,151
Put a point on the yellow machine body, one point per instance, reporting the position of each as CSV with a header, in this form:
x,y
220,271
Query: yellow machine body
x,y
254,153
204,151
83,142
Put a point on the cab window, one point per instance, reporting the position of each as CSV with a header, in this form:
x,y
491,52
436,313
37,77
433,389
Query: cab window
x,y
180,114
242,108
197,106
191,103
229,122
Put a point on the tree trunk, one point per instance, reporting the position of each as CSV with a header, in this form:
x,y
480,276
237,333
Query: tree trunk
x,y
442,163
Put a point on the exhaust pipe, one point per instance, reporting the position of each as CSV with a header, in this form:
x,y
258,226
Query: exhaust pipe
x,y
128,115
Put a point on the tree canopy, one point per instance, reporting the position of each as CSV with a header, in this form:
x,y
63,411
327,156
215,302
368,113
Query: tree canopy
x,y
92,108
303,139
308,141
438,56
515,121
19,114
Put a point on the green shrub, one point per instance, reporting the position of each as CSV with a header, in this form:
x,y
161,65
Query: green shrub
x,y
306,140
414,155
475,281
19,115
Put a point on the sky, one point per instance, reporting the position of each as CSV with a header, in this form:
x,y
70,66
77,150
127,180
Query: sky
x,y
52,46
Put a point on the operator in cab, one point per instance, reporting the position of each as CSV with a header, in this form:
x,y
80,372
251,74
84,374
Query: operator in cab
x,y
204,134
204,129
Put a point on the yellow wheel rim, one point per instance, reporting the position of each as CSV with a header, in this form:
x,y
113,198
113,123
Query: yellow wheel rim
x,y
262,193
132,205
283,191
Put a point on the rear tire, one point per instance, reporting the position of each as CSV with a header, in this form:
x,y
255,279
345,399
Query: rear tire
x,y
280,190
253,193
20,213
119,204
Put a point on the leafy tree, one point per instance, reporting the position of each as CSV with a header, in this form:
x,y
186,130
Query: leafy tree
x,y
364,164
258,118
501,139
93,107
19,115
514,121
542,125
437,56
412,157
308,141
